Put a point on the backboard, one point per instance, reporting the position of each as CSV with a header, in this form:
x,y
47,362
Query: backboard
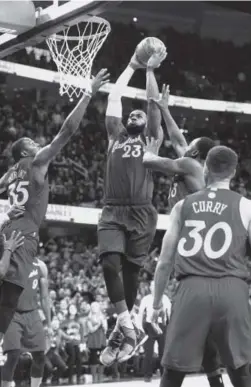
x,y
21,24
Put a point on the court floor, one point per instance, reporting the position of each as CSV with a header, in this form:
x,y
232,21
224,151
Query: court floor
x,y
196,381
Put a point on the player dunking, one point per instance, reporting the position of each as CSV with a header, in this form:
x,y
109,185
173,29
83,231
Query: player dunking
x,y
188,178
26,332
128,221
207,243
27,184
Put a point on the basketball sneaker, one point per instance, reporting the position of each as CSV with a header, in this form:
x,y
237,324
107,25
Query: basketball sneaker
x,y
129,346
110,353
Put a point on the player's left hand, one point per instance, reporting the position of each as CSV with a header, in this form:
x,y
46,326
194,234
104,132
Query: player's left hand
x,y
16,240
157,58
154,321
15,212
151,148
100,80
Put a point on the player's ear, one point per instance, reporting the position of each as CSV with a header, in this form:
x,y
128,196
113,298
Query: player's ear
x,y
195,153
24,154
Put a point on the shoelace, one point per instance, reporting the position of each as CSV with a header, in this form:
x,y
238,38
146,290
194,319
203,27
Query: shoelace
x,y
115,340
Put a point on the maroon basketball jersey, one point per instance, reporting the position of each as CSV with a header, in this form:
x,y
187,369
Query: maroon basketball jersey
x,y
24,190
128,181
178,190
29,298
213,240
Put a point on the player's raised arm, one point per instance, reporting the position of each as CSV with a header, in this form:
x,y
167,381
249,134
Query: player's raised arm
x,y
154,128
114,108
176,137
70,125
44,293
166,260
181,166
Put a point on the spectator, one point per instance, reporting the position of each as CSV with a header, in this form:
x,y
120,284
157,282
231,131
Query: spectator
x,y
96,341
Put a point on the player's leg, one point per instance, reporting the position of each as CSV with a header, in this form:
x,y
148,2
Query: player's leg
x,y
130,273
140,233
211,364
172,378
9,367
9,296
241,376
111,241
12,349
15,279
34,341
37,368
189,326
232,328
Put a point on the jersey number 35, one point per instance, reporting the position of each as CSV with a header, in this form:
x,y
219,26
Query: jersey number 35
x,y
18,193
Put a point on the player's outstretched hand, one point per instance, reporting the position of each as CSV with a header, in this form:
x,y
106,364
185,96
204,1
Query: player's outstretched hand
x,y
135,64
152,146
163,101
16,212
16,240
157,58
154,321
100,80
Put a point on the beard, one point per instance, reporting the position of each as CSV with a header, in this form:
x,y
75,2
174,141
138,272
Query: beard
x,y
133,129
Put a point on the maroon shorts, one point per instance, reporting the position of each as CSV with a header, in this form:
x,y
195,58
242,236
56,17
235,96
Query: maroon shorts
x,y
25,332
128,230
22,259
203,306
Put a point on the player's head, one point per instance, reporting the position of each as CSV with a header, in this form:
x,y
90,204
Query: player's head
x,y
199,148
220,165
24,147
136,122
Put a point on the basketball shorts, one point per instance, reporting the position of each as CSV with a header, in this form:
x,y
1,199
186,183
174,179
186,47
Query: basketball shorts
x,y
215,308
22,259
128,230
25,332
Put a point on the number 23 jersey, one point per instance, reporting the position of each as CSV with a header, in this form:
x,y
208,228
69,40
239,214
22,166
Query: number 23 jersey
x,y
127,181
213,240
24,190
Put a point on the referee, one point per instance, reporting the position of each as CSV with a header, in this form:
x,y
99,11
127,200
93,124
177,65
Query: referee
x,y
144,321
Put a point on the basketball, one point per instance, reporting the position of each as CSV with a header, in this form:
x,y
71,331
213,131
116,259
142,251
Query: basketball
x,y
146,48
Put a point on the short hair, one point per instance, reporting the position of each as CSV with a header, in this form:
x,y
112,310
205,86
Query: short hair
x,y
222,161
17,148
204,145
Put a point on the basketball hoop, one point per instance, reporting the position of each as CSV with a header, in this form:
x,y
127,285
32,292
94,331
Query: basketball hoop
x,y
74,55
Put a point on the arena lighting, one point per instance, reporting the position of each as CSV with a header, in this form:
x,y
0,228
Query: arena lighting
x,y
135,19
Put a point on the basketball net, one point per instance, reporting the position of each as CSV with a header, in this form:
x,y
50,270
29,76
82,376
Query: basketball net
x,y
74,54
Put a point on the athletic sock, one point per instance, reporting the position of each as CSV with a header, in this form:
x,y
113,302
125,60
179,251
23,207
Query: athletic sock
x,y
215,381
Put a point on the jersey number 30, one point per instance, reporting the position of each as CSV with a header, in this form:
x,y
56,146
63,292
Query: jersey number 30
x,y
18,193
206,243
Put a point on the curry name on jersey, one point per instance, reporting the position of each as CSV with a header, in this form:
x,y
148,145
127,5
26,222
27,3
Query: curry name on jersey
x,y
213,240
28,300
24,190
127,181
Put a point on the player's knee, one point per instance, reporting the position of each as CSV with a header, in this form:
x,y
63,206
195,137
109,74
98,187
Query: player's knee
x,y
111,264
8,368
38,362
